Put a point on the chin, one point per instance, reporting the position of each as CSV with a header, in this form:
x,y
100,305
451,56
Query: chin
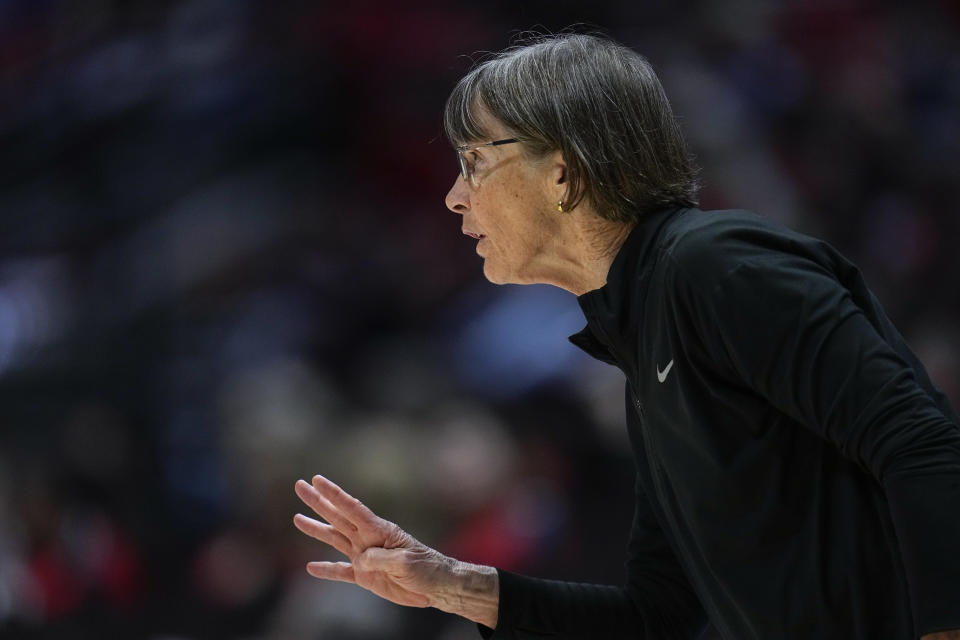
x,y
491,274
491,278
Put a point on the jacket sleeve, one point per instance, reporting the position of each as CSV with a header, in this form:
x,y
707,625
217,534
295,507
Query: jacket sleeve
x,y
656,602
782,323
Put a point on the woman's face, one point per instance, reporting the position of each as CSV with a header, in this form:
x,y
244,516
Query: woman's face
x,y
507,206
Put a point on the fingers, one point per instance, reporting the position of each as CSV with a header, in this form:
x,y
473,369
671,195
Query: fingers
x,y
352,509
324,508
324,533
339,571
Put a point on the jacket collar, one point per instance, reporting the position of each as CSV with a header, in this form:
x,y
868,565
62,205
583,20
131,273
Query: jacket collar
x,y
613,310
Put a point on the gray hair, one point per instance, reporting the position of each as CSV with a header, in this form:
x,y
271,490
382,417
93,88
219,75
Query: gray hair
x,y
600,104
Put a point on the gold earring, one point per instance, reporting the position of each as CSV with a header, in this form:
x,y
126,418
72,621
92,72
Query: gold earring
x,y
560,206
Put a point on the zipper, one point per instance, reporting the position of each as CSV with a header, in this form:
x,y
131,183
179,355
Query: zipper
x,y
713,615
639,406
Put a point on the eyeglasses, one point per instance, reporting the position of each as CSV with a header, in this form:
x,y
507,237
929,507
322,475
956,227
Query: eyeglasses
x,y
466,166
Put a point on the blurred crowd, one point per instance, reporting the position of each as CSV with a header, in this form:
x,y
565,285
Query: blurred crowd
x,y
225,264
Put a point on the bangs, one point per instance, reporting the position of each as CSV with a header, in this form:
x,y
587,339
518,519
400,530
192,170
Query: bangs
x,y
461,123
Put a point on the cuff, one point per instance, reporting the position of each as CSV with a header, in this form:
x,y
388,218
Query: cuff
x,y
506,612
924,512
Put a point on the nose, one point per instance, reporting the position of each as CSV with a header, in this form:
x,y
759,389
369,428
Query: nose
x,y
457,199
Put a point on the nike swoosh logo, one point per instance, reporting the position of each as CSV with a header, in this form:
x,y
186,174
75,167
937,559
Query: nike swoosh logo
x,y
662,375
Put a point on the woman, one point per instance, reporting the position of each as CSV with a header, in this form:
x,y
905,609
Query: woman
x,y
797,472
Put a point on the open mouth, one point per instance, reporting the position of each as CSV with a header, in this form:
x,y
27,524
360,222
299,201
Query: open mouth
x,y
475,236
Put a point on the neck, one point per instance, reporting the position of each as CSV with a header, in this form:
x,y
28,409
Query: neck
x,y
585,250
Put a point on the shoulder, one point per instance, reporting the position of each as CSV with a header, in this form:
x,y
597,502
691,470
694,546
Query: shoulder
x,y
709,245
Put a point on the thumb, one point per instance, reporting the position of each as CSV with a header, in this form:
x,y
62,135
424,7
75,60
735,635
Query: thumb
x,y
394,565
380,559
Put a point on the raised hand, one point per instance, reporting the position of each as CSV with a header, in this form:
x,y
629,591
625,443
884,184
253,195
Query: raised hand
x,y
388,561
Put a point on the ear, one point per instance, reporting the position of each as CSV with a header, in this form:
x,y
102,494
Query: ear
x,y
557,174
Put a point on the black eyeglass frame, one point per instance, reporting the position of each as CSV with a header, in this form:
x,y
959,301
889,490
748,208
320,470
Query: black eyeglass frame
x,y
465,169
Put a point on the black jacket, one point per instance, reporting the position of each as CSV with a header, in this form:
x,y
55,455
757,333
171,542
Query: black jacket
x,y
798,475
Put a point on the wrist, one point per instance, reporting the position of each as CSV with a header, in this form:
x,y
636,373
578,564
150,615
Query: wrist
x,y
471,591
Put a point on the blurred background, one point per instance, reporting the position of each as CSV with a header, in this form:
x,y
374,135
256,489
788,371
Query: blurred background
x,y
225,264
